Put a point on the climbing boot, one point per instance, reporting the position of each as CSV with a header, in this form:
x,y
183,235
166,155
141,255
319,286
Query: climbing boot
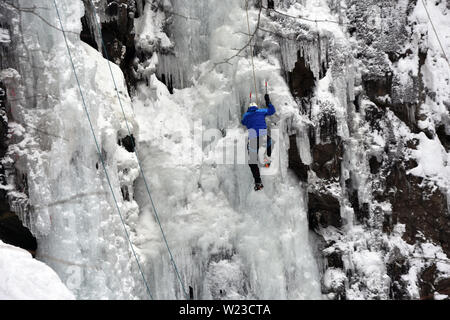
x,y
258,186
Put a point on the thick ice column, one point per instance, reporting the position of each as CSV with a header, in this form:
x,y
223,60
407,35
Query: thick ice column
x,y
71,210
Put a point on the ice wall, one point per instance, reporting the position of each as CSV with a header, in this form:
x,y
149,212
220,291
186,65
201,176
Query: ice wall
x,y
249,245
67,203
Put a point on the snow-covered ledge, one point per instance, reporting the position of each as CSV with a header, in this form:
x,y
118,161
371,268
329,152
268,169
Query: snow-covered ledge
x,y
25,278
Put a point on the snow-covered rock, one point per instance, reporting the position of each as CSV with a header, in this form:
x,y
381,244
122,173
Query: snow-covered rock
x,y
25,278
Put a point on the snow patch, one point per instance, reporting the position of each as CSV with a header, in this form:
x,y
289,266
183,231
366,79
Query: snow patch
x,y
24,278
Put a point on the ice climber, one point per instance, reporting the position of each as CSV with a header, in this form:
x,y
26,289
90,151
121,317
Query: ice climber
x,y
255,121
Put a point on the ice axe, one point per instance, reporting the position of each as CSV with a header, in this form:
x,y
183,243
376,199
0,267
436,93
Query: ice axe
x,y
250,97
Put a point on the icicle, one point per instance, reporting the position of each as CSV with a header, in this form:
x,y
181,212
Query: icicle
x,y
20,206
169,69
303,144
314,52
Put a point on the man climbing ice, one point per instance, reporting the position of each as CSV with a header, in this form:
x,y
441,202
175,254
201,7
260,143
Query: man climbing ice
x,y
255,121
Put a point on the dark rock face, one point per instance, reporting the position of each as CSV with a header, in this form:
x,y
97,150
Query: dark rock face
x,y
373,116
125,193
4,205
301,79
443,286
301,83
327,154
324,208
426,281
87,33
396,267
429,283
328,128
327,151
444,137
119,42
323,211
14,233
326,160
378,86
117,33
168,81
3,123
415,202
128,143
11,229
421,209
374,165
295,162
334,259
380,49
361,210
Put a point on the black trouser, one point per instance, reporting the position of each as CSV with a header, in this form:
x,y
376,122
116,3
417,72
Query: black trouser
x,y
253,147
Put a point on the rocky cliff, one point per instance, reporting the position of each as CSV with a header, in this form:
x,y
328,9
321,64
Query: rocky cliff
x,y
362,89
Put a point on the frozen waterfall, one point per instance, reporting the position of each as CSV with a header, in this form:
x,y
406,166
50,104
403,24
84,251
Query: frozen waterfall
x,y
229,242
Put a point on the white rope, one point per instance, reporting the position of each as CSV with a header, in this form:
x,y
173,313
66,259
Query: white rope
x,y
435,32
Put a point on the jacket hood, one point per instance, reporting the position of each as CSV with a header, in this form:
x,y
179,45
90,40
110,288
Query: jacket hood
x,y
252,109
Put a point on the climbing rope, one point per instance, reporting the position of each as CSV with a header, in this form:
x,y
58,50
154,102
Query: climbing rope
x,y
137,156
435,32
251,50
100,153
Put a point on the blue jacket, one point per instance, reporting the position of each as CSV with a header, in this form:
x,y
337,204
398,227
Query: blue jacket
x,y
255,119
